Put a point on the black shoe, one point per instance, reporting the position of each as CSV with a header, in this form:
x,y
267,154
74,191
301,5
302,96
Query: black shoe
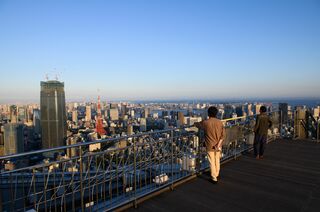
x,y
213,181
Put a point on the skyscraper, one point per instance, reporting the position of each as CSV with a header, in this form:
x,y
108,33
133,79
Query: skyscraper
x,y
13,138
283,108
250,112
228,110
88,113
239,110
143,125
129,129
124,110
145,112
1,141
75,116
36,121
181,118
316,112
114,114
258,108
53,114
13,114
22,114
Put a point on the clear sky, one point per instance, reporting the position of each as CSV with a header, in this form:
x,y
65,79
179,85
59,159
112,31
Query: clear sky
x,y
161,49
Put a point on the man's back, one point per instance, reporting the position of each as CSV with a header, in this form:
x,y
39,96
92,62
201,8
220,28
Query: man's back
x,y
263,123
214,132
214,136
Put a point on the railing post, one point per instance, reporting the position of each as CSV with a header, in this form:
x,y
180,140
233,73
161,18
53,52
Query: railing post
x,y
1,209
318,129
171,140
300,124
235,149
281,122
81,172
295,124
199,153
135,172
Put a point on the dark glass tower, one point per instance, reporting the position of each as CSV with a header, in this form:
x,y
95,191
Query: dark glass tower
x,y
13,138
53,114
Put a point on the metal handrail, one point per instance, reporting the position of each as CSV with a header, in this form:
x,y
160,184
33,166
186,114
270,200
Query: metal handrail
x,y
118,176
113,139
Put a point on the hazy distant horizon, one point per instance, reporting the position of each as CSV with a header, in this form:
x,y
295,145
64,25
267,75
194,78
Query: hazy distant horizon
x,y
294,101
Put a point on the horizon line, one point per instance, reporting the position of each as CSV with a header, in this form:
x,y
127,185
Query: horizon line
x,y
171,100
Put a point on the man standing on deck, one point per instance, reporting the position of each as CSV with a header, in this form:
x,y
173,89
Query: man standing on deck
x,y
263,123
214,133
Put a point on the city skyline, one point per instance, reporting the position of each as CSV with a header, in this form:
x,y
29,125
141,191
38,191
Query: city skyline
x,y
161,50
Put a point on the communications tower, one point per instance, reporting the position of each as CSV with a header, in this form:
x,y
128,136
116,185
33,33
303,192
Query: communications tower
x,y
99,125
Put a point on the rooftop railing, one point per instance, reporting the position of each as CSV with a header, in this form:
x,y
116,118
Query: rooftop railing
x,y
106,174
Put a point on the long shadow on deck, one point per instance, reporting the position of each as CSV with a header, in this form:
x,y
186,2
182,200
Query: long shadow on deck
x,y
287,179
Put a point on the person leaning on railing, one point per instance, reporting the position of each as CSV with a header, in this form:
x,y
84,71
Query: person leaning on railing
x,y
263,123
214,133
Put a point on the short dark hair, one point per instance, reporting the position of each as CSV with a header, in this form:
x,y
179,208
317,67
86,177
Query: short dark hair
x,y
263,109
212,111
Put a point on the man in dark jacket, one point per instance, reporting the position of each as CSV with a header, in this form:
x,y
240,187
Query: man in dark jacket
x,y
263,123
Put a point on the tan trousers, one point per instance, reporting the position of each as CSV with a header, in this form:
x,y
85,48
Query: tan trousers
x,y
214,160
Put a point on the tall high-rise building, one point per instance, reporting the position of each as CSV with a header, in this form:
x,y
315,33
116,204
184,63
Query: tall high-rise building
x,y
13,114
181,118
228,111
88,113
53,114
124,110
29,113
299,118
1,141
250,112
129,129
316,112
13,138
72,152
36,120
239,110
145,112
114,114
1,136
258,108
22,114
75,116
132,113
283,108
143,125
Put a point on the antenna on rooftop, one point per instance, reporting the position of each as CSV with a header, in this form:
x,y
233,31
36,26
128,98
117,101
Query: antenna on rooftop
x,y
47,76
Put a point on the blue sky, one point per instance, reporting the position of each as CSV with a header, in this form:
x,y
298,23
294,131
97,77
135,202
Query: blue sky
x,y
161,49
